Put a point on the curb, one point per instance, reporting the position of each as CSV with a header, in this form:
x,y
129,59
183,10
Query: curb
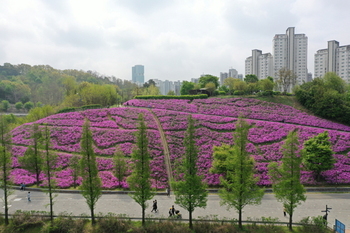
x,y
163,193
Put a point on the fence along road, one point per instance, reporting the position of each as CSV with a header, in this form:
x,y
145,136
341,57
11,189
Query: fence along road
x,y
75,204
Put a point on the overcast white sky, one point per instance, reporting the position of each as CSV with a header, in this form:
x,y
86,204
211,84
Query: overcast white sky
x,y
173,39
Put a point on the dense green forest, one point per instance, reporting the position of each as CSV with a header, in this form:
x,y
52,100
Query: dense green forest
x,y
327,97
49,86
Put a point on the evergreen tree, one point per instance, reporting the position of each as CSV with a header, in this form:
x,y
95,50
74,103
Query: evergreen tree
x,y
139,180
50,160
32,159
286,177
91,183
239,184
318,154
190,192
5,163
119,165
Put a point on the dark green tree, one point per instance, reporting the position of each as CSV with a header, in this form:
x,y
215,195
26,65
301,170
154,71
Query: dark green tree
x,y
190,192
50,160
203,80
186,87
286,177
239,184
91,183
19,106
5,105
5,164
251,78
28,105
139,180
119,165
318,154
32,159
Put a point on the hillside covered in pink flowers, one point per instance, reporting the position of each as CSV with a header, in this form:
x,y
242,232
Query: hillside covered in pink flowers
x,y
215,123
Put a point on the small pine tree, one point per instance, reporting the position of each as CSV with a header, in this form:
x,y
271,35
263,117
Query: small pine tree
x,y
140,178
318,154
49,162
32,159
239,184
190,192
119,165
74,165
91,184
286,177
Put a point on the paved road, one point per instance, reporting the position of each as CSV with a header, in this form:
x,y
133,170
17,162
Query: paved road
x,y
124,204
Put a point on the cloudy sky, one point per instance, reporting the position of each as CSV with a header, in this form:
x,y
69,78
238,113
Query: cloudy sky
x,y
173,39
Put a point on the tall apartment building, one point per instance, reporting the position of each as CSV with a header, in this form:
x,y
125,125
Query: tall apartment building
x,y
290,51
138,74
333,59
223,76
259,64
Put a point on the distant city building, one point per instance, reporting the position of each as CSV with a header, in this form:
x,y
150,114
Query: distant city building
x,y
240,76
259,64
195,80
290,51
232,73
333,59
309,77
166,86
223,76
138,74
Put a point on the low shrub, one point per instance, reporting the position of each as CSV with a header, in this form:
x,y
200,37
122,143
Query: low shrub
x,y
111,223
314,224
21,220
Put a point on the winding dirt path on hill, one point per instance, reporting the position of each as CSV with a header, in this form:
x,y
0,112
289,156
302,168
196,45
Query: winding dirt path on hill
x,y
165,149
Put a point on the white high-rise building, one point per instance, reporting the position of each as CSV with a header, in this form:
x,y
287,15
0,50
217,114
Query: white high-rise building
x,y
290,51
333,59
259,64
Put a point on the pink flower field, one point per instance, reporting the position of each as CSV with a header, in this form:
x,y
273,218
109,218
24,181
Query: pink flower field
x,y
215,123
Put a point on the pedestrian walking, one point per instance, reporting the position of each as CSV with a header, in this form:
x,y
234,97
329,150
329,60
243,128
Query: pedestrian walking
x,y
155,206
173,210
284,212
168,191
28,195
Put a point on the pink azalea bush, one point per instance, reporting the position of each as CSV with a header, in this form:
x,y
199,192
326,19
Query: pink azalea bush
x,y
215,122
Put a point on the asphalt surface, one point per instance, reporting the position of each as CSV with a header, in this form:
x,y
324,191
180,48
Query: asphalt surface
x,y
75,204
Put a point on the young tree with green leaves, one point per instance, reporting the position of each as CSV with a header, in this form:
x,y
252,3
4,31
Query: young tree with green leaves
x,y
5,105
318,154
286,176
32,159
91,183
5,163
119,165
190,191
251,78
239,184
74,165
50,160
140,178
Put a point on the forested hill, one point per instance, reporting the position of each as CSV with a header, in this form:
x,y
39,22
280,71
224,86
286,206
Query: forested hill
x,y
42,83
